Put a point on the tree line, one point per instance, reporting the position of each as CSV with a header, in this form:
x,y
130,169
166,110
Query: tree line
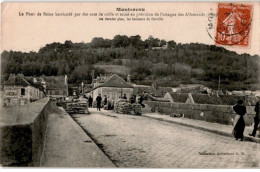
x,y
150,61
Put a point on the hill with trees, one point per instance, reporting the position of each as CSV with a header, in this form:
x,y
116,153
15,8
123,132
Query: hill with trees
x,y
148,61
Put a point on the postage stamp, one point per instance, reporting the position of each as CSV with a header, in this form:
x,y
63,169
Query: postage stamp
x,y
233,24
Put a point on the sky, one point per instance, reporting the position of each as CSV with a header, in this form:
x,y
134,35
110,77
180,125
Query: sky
x,y
29,33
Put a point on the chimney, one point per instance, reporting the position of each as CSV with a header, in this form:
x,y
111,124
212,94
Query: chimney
x,y
129,78
66,80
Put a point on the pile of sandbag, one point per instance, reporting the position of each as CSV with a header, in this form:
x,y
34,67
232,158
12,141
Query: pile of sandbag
x,y
125,107
136,109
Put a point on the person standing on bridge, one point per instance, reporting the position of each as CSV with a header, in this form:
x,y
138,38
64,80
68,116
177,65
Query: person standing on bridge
x,y
99,100
239,123
256,120
105,100
141,99
90,101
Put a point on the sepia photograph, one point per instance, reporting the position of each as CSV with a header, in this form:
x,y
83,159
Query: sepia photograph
x,y
130,85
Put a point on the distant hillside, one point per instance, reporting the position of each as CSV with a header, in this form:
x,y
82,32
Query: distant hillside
x,y
148,61
117,69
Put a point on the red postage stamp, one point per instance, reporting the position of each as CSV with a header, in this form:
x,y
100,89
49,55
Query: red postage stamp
x,y
233,24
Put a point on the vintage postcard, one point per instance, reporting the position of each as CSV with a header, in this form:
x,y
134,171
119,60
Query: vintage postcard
x,y
130,84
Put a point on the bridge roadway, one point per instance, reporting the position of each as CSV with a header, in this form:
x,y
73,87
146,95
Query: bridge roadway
x,y
136,141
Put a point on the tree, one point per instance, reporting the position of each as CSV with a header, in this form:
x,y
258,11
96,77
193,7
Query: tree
x,y
81,74
68,44
171,44
120,41
162,42
153,42
99,42
136,41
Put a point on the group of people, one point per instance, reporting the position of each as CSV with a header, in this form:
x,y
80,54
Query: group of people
x,y
132,100
99,99
239,123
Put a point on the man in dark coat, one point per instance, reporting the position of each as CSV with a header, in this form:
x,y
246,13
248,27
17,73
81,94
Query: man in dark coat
x,y
124,97
105,100
239,123
256,119
90,101
141,99
132,99
99,100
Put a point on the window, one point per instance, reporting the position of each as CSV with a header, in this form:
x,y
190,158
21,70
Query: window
x,y
56,92
22,91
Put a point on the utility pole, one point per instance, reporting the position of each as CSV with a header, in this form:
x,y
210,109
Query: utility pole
x,y
93,76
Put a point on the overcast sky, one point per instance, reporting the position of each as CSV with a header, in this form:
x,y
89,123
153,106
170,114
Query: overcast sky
x,y
29,33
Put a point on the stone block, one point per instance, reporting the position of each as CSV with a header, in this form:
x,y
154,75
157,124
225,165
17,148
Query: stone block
x,y
196,106
166,104
175,105
184,105
203,107
22,130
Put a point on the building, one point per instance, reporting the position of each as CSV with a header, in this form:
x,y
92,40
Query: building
x,y
19,91
204,99
113,87
56,86
176,97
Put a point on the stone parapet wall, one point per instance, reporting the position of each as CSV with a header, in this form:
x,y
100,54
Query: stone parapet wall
x,y
222,114
22,133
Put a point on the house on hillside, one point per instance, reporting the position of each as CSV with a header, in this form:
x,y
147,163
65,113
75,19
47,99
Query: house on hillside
x,y
19,91
176,97
113,87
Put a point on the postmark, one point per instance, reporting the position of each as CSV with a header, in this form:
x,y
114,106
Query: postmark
x,y
233,24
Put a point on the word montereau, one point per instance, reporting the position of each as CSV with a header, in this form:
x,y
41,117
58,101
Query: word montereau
x,y
130,9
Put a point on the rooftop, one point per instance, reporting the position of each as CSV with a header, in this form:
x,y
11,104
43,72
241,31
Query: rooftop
x,y
179,97
17,80
115,81
206,99
55,82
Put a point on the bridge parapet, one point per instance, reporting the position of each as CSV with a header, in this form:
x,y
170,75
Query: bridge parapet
x,y
22,133
223,114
